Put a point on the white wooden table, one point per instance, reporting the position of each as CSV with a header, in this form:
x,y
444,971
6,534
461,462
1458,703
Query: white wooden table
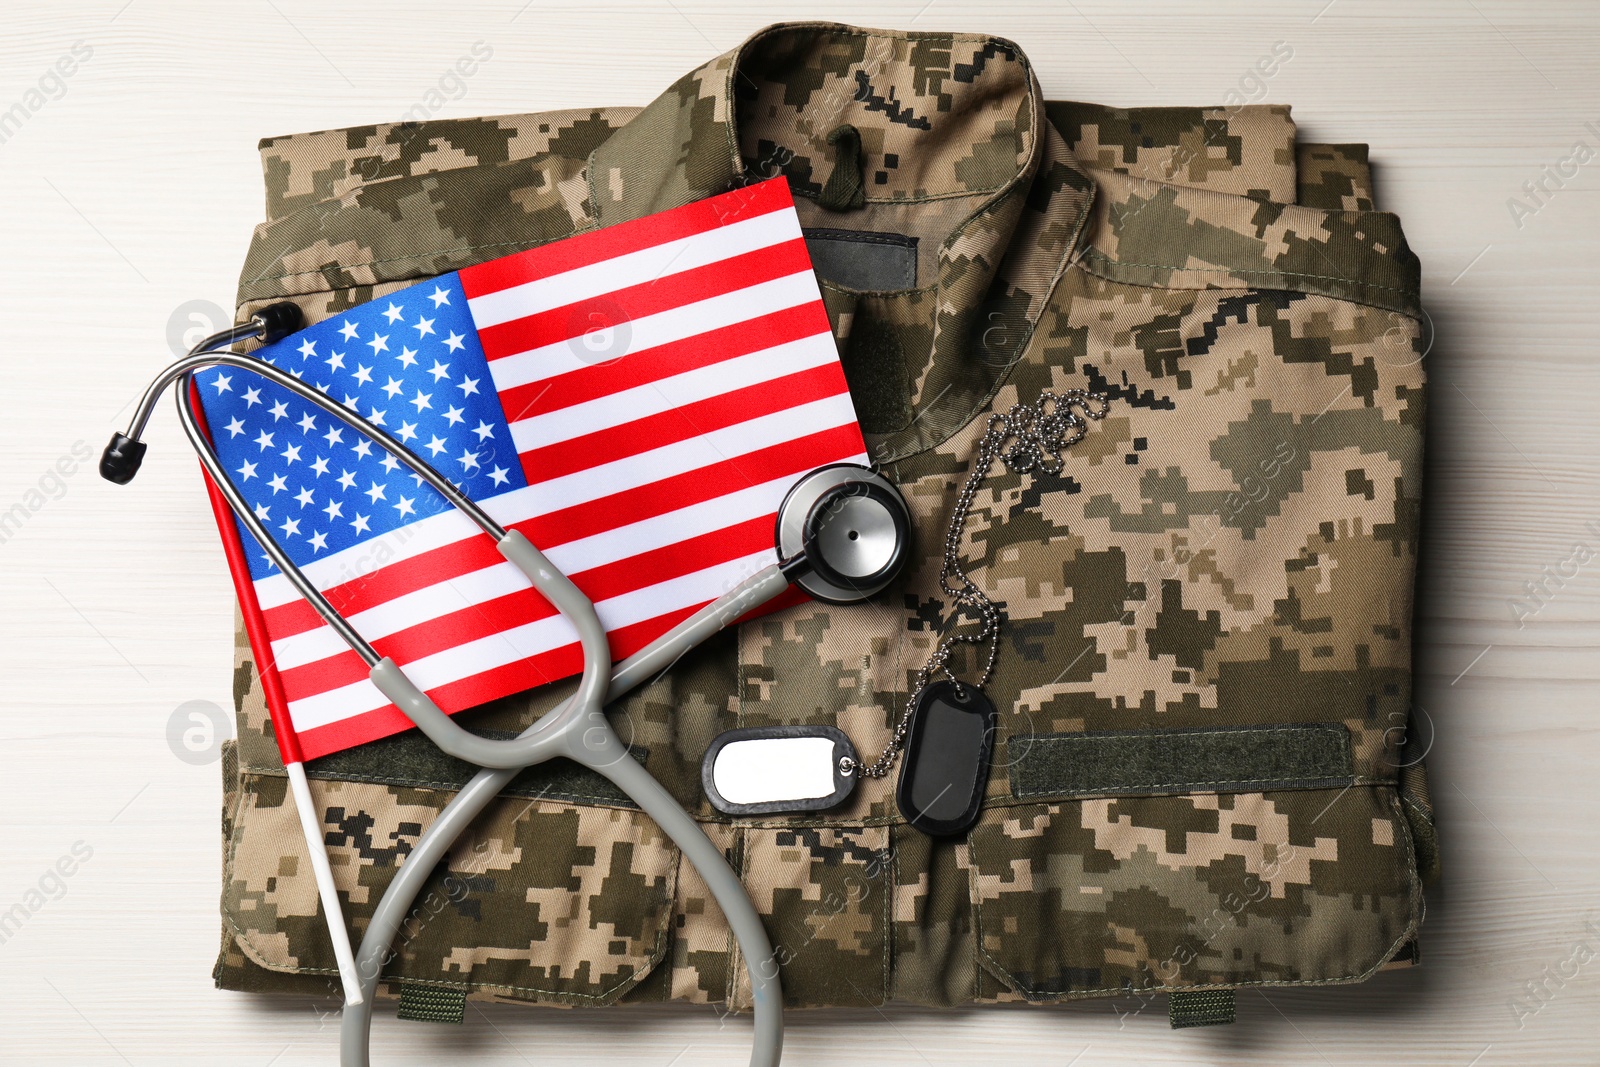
x,y
131,189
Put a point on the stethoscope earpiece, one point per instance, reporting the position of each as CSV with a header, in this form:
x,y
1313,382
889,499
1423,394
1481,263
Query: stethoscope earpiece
x,y
120,461
277,321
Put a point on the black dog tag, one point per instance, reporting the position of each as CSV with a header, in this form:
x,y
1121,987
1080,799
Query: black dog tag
x,y
946,761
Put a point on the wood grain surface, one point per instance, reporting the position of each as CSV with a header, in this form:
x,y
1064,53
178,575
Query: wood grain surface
x,y
127,199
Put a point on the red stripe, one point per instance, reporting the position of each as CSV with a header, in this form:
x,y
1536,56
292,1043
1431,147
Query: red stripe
x,y
663,361
684,423
790,458
572,321
794,457
388,720
765,465
583,249
522,606
484,687
437,565
386,583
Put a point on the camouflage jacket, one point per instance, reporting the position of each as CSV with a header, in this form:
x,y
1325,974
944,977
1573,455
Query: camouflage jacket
x,y
1206,661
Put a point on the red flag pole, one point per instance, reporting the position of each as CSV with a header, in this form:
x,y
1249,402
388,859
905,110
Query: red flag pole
x,y
283,730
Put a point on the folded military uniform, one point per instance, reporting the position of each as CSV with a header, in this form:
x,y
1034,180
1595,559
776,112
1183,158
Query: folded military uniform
x,y
1206,660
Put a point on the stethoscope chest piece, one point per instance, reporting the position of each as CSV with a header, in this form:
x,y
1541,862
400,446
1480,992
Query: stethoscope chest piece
x,y
852,528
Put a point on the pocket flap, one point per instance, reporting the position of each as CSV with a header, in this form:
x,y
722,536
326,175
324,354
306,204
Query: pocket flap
x,y
538,900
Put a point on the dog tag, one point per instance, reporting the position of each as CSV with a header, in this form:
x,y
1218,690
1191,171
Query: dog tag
x,y
761,770
946,763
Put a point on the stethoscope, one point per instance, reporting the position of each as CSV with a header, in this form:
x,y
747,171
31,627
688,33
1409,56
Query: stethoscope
x,y
842,534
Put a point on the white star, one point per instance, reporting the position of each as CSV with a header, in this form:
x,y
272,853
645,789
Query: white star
x,y
394,388
468,387
379,343
436,446
333,436
374,416
468,460
248,471
364,375
439,370
407,357
290,454
308,347
278,483
407,432
224,383
375,494
262,512
333,510
264,440
390,464
424,326
404,507
278,410
350,402
500,476
290,527
320,466
363,448
349,330
252,397
393,313
307,423
439,296
454,341
235,428
421,400
360,524
336,361
347,480
319,541
483,430
304,496
453,416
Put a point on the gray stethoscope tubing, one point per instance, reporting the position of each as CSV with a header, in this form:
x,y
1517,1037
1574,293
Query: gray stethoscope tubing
x,y
842,533
578,729
584,736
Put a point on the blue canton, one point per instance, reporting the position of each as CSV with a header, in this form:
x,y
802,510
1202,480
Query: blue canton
x,y
410,363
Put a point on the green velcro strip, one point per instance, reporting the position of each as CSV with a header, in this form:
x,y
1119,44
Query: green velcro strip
x,y
430,1004
1226,759
410,759
1200,1007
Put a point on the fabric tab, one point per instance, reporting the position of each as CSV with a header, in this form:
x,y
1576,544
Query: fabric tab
x,y
1309,755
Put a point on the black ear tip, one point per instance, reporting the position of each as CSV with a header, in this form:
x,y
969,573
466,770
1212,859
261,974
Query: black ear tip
x,y
120,461
278,321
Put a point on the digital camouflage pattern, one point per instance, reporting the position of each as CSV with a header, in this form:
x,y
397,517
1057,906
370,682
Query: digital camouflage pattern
x,y
1247,150
1335,176
1233,545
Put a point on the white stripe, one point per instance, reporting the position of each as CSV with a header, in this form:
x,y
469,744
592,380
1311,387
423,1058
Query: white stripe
x,y
517,506
409,609
499,579
634,268
682,457
669,394
532,639
566,352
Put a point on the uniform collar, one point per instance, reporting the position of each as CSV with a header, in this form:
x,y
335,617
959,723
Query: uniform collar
x,y
960,117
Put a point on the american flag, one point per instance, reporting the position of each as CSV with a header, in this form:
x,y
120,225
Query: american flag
x,y
636,400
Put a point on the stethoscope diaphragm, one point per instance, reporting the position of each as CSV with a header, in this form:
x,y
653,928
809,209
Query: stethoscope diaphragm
x,y
848,529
